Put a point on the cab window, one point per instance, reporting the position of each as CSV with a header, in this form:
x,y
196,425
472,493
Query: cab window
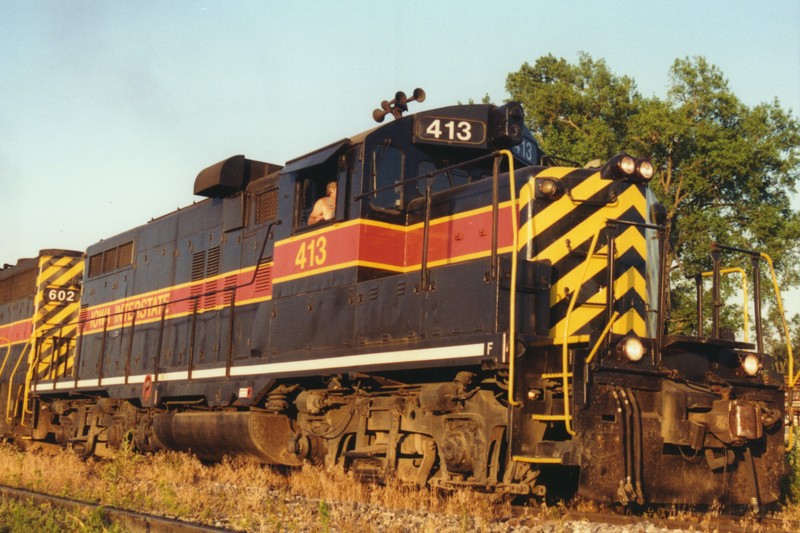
x,y
316,199
441,180
386,181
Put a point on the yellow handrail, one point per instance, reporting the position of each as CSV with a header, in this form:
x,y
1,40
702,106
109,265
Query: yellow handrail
x,y
602,337
792,378
11,379
565,345
7,342
33,369
512,316
736,270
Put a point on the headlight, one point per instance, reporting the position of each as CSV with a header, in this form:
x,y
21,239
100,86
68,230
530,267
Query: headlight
x,y
626,165
631,348
751,364
646,169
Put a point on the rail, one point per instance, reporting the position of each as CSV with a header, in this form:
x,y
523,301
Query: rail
x,y
7,343
724,271
33,374
755,258
10,402
792,377
611,314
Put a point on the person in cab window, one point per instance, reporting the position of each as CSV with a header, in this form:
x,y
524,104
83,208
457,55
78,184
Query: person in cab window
x,y
325,207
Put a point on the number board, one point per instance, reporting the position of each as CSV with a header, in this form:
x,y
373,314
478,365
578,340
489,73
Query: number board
x,y
60,295
449,130
527,151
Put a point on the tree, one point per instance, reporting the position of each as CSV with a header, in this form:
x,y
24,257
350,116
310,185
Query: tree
x,y
726,171
579,112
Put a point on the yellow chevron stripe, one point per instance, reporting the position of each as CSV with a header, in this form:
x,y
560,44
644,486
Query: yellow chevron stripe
x,y
63,316
631,238
572,279
55,271
624,324
61,271
579,318
589,226
561,207
630,322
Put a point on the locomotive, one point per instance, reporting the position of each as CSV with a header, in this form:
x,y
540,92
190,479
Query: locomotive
x,y
465,313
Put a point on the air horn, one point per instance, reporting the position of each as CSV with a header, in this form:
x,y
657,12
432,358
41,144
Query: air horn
x,y
398,106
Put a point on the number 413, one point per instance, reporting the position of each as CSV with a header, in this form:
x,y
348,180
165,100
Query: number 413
x,y
312,253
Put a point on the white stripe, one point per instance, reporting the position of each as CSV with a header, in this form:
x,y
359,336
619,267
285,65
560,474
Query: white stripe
x,y
347,361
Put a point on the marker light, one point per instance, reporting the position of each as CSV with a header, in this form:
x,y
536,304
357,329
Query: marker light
x,y
631,348
751,364
548,187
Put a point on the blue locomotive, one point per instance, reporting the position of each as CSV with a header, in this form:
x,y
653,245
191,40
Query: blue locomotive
x,y
432,299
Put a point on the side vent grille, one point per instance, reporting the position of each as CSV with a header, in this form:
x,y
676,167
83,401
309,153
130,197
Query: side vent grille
x,y
198,272
210,287
264,278
266,205
227,294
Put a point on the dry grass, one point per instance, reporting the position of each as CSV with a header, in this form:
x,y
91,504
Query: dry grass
x,y
238,493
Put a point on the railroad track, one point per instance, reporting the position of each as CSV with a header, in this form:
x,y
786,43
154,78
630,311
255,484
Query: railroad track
x,y
521,516
129,520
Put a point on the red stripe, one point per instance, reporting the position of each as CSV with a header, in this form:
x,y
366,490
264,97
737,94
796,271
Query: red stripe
x,y
391,247
16,332
395,248
205,295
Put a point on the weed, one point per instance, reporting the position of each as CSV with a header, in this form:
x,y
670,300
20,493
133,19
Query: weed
x,y
324,515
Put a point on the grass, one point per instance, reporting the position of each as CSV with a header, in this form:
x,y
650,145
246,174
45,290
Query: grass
x,y
244,495
235,493
26,516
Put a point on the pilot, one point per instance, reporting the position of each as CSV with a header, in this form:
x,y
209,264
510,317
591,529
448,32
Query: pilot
x,y
325,207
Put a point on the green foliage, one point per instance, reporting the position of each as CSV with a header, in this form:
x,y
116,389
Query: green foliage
x,y
726,171
324,515
579,112
24,517
791,480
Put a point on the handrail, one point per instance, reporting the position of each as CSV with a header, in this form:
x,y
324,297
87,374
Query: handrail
x,y
31,371
602,337
735,270
8,354
792,378
512,312
11,378
565,343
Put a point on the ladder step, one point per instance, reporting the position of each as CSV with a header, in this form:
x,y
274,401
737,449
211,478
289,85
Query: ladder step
x,y
556,375
551,418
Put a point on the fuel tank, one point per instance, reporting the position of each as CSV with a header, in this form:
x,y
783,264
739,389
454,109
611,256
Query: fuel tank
x,y
211,435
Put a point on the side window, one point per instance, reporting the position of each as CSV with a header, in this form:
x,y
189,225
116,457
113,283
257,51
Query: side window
x,y
316,196
387,178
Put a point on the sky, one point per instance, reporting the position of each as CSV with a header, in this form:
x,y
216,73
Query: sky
x,y
109,109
